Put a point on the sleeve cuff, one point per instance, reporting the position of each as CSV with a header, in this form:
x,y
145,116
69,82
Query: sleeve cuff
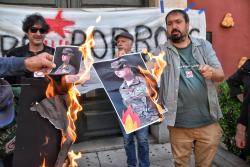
x,y
18,63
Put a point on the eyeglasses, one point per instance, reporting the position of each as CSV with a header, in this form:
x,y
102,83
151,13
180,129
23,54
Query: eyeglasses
x,y
41,30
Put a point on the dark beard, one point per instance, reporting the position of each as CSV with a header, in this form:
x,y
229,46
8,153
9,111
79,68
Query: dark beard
x,y
176,38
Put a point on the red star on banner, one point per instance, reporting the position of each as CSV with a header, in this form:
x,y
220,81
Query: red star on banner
x,y
58,23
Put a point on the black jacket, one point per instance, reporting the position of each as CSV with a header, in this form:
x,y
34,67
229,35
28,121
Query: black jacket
x,y
239,83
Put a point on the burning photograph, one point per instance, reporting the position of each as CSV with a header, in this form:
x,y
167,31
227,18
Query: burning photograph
x,y
67,60
129,90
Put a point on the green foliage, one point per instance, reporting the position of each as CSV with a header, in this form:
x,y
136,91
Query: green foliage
x,y
231,111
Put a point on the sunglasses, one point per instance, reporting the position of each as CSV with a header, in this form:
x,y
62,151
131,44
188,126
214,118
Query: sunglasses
x,y
41,30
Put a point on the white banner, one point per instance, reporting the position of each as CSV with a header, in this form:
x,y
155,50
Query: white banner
x,y
68,27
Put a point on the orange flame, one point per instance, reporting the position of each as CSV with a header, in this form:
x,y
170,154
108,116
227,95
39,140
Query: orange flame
x,y
72,157
73,108
70,89
87,52
57,87
44,163
151,78
130,120
62,87
158,63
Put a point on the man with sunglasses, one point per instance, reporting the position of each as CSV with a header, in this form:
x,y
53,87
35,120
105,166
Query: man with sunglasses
x,y
35,28
35,52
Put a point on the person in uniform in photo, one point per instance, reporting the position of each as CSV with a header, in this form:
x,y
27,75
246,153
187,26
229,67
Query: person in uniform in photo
x,y
66,67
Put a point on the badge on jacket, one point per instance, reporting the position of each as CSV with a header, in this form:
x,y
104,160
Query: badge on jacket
x,y
189,74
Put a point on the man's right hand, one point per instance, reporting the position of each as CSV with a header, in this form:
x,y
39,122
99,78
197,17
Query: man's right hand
x,y
41,62
240,137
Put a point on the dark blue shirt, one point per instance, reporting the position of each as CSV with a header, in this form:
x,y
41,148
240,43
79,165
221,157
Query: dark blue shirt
x,y
10,66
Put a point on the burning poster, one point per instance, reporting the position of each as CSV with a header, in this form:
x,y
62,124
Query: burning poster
x,y
37,138
130,89
53,105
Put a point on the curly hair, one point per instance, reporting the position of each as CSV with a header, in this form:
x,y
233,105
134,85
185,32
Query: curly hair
x,y
33,19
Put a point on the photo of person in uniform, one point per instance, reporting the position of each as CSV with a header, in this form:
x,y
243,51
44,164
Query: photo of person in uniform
x,y
128,91
66,68
67,60
134,92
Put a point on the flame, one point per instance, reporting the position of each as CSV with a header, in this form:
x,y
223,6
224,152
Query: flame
x,y
44,163
87,52
50,91
70,89
152,77
57,87
158,63
62,87
73,93
72,157
130,120
73,108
